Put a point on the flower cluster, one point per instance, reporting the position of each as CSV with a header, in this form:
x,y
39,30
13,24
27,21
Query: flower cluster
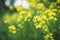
x,y
24,15
49,37
12,29
44,16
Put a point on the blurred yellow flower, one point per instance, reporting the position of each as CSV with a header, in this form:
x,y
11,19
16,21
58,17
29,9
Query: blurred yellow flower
x,y
55,19
40,6
48,36
25,19
45,28
20,17
11,7
38,25
39,21
32,0
51,14
12,29
51,17
19,8
43,22
20,26
36,18
32,3
6,21
58,1
54,10
23,12
29,14
51,6
44,17
51,34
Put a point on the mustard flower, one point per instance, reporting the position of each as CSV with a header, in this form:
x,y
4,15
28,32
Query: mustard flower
x,y
12,29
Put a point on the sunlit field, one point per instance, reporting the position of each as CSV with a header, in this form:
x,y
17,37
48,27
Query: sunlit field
x,y
29,19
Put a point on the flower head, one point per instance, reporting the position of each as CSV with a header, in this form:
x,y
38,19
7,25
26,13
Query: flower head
x,y
12,29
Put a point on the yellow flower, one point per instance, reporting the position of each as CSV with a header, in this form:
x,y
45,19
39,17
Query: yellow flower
x,y
19,8
36,18
50,34
47,10
51,14
23,12
54,10
51,6
58,1
32,0
44,17
6,20
20,26
25,19
20,17
38,21
38,25
11,7
58,7
32,3
46,37
43,22
45,28
51,17
40,6
55,19
12,29
29,14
